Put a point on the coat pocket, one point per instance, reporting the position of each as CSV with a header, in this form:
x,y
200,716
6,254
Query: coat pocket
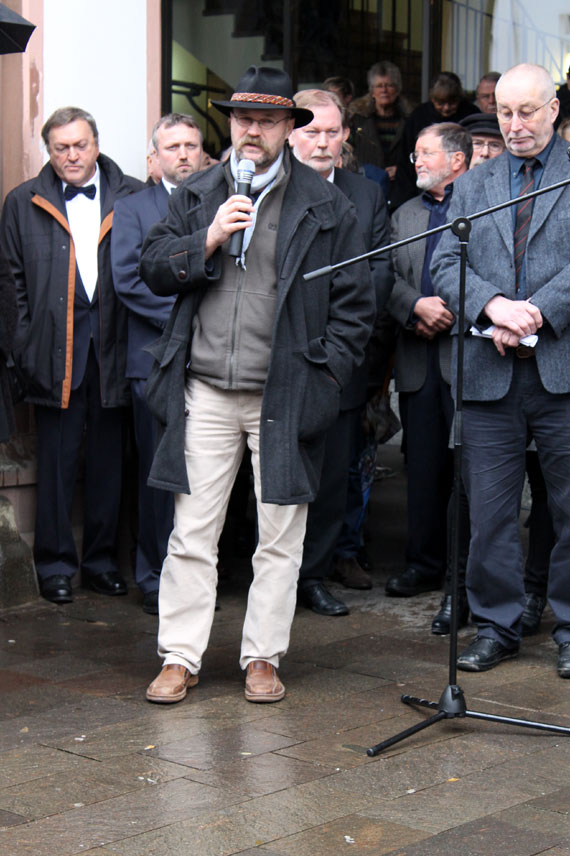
x,y
321,402
164,375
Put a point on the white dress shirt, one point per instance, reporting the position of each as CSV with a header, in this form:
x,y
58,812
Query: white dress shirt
x,y
168,185
84,217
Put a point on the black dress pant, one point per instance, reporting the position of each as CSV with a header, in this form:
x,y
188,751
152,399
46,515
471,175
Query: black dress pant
x,y
326,513
60,435
428,417
155,507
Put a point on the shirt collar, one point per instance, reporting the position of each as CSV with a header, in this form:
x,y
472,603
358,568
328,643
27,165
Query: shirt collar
x,y
95,179
168,185
517,163
431,202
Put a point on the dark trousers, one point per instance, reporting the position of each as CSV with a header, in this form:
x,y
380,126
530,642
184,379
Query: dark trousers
x,y
428,415
494,442
60,436
540,534
155,507
350,538
326,512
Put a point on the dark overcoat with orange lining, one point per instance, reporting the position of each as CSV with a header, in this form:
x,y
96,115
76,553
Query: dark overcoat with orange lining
x,y
36,239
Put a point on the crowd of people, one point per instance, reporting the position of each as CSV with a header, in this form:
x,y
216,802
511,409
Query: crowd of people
x,y
182,304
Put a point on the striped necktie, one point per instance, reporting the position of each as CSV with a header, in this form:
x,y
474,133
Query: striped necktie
x,y
523,216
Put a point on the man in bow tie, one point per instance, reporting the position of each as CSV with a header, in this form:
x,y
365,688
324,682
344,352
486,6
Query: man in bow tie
x,y
71,348
251,354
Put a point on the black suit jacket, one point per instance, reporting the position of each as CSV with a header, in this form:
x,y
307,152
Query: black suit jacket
x,y
148,313
372,215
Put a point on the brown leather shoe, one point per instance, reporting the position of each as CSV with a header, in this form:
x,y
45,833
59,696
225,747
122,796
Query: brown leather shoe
x,y
262,682
171,685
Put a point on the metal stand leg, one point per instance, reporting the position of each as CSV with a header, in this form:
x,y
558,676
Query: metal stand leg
x,y
451,704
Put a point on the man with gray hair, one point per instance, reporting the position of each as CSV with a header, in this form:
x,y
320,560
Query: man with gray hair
x,y
485,92
177,141
441,156
70,347
516,380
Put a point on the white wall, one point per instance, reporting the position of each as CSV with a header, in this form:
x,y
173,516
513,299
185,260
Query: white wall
x,y
95,58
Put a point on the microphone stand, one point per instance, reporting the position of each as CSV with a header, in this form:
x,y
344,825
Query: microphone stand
x,y
452,704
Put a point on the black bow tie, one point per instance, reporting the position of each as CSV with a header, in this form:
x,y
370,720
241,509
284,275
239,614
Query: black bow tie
x,y
71,191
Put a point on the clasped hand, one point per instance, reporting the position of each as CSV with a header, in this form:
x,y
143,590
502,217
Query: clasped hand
x,y
513,320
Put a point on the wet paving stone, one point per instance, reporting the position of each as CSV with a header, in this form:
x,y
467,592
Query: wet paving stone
x,y
459,799
481,838
263,774
8,818
262,821
76,717
207,751
75,786
355,833
97,825
532,816
36,762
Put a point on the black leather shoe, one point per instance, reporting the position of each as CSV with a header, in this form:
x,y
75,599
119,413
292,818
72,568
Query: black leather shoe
x,y
409,583
441,625
150,602
564,660
483,654
56,588
321,601
110,583
533,609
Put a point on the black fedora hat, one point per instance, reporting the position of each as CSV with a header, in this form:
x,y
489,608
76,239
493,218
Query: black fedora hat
x,y
482,123
265,89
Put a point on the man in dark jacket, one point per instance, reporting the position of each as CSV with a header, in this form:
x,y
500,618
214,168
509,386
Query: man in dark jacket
x,y
252,354
318,145
71,347
177,142
441,156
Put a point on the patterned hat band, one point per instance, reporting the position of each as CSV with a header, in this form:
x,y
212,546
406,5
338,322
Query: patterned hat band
x,y
259,98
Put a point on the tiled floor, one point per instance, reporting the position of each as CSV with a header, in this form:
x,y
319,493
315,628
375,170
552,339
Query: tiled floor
x,y
88,766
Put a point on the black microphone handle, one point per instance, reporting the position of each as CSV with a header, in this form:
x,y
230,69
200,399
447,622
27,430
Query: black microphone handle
x,y
236,240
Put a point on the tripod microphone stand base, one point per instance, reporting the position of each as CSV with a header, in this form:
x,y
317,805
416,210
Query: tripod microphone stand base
x,y
451,705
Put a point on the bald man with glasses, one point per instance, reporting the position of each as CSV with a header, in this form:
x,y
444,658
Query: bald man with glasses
x,y
517,382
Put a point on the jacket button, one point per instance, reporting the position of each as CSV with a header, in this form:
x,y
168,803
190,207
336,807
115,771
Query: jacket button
x,y
182,274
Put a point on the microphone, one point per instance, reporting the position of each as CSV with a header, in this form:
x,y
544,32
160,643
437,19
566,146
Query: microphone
x,y
245,173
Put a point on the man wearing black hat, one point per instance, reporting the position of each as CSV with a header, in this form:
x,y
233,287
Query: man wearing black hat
x,y
252,354
486,137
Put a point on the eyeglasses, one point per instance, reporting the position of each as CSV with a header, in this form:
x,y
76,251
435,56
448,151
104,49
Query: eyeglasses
x,y
415,156
506,115
494,146
263,124
384,86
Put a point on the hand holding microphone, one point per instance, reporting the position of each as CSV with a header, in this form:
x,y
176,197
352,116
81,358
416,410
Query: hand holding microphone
x,y
233,216
245,173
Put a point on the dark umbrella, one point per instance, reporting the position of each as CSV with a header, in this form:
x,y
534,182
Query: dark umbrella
x,y
14,31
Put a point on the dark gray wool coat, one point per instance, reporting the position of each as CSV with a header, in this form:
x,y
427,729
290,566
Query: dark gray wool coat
x,y
320,328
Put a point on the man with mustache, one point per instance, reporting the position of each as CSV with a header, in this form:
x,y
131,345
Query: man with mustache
x,y
252,354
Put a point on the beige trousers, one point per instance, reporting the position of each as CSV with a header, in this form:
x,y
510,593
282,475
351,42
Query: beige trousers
x,y
218,425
